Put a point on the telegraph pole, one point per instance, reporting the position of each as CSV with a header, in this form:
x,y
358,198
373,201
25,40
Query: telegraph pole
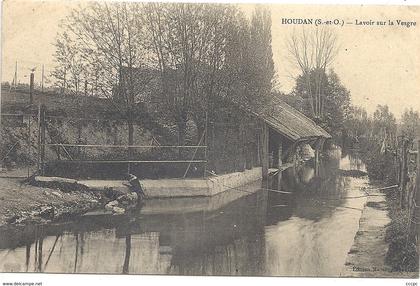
x,y
42,79
31,88
31,100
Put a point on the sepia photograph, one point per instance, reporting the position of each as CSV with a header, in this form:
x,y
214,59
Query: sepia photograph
x,y
209,139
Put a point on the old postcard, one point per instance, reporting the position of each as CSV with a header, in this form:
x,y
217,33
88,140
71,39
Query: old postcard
x,y
209,139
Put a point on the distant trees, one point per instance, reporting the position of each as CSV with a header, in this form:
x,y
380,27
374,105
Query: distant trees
x,y
375,137
249,67
68,73
335,97
261,55
357,124
384,122
313,52
175,57
188,42
101,44
410,124
381,145
337,104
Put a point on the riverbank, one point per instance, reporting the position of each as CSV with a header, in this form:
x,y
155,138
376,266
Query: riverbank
x,y
368,257
402,254
22,203
163,188
47,199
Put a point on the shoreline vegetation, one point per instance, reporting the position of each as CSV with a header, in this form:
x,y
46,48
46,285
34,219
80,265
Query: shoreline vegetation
x,y
32,205
383,159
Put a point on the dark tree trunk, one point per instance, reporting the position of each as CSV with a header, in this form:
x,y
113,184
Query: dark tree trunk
x,y
200,133
130,123
130,136
182,131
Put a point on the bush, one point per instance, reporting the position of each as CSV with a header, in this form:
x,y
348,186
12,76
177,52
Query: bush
x,y
402,254
380,165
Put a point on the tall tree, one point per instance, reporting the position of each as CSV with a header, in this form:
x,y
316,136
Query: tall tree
x,y
335,96
188,42
384,125
410,124
313,52
261,55
70,67
337,104
357,123
178,57
106,40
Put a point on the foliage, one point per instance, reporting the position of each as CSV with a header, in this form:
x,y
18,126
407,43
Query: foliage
x,y
335,98
357,124
313,52
172,58
384,125
402,254
188,43
410,124
376,138
337,104
261,55
380,164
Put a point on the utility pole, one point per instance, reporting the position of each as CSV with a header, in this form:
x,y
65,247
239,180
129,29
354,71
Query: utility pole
x,y
42,79
15,79
31,100
14,82
31,88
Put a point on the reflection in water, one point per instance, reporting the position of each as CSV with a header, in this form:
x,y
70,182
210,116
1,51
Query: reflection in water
x,y
305,233
352,162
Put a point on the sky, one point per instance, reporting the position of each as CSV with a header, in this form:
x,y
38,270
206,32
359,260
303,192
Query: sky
x,y
378,64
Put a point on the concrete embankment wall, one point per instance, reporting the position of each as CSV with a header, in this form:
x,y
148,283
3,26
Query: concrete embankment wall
x,y
166,187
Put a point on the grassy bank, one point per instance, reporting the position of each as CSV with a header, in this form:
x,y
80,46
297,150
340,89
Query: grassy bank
x,y
22,204
402,254
382,165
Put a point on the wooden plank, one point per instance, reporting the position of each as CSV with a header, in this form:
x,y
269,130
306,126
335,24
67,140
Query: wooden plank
x,y
127,161
123,146
42,138
403,173
264,157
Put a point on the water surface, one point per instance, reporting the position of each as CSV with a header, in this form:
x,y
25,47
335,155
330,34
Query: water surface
x,y
248,231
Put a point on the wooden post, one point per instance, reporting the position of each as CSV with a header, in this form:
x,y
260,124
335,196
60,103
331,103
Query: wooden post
x,y
264,153
317,145
127,254
86,88
39,138
280,154
318,148
29,139
31,88
258,149
417,195
280,163
42,139
207,146
239,150
31,99
42,79
403,172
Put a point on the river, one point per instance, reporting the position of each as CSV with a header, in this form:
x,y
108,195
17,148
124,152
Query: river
x,y
305,231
